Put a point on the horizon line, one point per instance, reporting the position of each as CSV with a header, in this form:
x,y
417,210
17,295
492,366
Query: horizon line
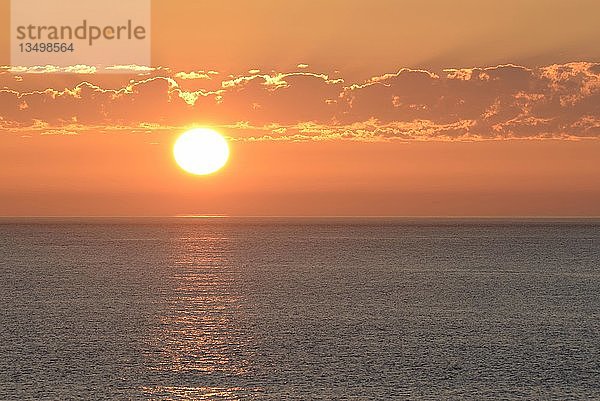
x,y
225,216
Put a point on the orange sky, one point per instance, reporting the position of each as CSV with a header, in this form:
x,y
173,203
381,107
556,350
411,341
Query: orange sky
x,y
357,108
365,38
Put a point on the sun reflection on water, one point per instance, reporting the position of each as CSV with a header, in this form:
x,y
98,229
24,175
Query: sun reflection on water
x,y
193,393
199,337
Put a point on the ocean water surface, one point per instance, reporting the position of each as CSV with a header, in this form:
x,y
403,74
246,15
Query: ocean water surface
x,y
306,309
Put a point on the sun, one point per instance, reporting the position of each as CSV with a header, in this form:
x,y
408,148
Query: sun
x,y
201,151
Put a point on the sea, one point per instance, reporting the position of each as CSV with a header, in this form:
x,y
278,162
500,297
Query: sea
x,y
299,309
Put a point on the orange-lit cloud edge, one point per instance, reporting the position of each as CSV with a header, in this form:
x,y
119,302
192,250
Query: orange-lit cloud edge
x,y
560,101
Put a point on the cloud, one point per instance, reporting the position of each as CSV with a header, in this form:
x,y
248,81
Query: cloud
x,y
193,75
491,103
76,69
130,67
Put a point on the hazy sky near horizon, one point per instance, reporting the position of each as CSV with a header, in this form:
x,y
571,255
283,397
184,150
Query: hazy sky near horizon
x,y
332,108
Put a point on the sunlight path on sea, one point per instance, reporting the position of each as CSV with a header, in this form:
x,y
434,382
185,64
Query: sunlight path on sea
x,y
199,336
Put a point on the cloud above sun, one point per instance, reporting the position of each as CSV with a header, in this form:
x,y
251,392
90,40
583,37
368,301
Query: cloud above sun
x,y
492,103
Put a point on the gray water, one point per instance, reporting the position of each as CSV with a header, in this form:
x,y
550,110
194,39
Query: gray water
x,y
275,309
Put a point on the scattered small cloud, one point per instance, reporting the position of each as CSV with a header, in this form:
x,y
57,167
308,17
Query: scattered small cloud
x,y
193,75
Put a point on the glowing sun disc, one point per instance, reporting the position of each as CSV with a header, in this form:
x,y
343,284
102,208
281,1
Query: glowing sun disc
x,y
201,151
